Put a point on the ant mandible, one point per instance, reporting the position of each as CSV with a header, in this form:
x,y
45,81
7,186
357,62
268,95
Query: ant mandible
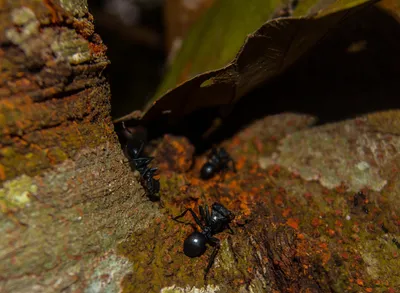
x,y
210,223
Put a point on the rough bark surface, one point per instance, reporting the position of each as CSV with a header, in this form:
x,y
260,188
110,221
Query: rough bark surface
x,y
297,186
72,215
66,197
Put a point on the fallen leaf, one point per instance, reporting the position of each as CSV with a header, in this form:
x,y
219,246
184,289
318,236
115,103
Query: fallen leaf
x,y
235,48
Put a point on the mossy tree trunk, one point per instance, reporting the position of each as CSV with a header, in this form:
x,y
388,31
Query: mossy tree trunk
x,y
307,227
66,197
67,200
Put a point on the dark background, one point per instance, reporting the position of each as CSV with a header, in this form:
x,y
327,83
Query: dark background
x,y
353,72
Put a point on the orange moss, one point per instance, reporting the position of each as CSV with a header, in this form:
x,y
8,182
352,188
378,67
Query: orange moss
x,y
338,223
286,212
307,195
273,172
323,245
2,173
341,189
254,190
316,222
240,163
55,17
294,223
174,154
331,232
326,257
258,144
234,185
278,200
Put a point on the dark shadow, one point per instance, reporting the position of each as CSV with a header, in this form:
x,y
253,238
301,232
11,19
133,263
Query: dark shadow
x,y
135,47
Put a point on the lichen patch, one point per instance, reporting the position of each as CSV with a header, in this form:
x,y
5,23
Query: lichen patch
x,y
15,192
346,153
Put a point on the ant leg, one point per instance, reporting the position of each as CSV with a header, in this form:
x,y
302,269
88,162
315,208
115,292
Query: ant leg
x,y
208,217
217,244
143,160
140,164
141,147
203,215
230,229
195,217
149,170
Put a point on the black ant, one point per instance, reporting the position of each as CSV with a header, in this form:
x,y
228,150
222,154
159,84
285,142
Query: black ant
x,y
140,162
218,160
214,222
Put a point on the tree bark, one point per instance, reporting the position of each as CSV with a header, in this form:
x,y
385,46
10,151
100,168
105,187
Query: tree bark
x,y
73,217
66,197
301,224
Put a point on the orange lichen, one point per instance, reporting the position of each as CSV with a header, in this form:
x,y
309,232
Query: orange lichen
x,y
294,223
2,173
326,257
273,172
323,245
338,223
265,197
315,222
234,185
331,232
258,144
175,154
55,17
341,189
278,200
286,212
240,163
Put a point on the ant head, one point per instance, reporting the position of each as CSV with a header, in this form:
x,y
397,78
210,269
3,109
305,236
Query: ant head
x,y
220,209
207,171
